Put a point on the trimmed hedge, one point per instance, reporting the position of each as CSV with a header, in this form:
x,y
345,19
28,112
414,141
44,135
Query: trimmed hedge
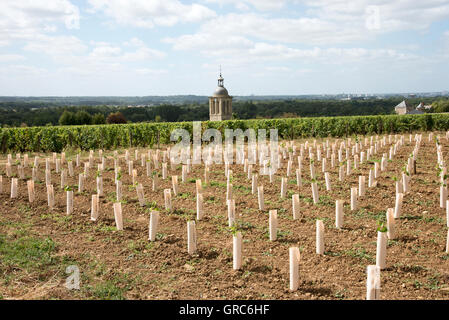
x,y
107,137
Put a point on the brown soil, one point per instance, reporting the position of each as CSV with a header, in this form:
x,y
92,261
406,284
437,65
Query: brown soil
x,y
124,264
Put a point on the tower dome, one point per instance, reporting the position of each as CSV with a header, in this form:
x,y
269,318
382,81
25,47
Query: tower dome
x,y
221,90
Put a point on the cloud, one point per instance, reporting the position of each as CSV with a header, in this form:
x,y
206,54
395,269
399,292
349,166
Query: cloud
x,y
323,22
146,71
263,5
11,57
147,14
22,19
391,15
278,69
56,46
307,31
22,70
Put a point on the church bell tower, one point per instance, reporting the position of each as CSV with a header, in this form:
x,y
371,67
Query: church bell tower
x,y
220,103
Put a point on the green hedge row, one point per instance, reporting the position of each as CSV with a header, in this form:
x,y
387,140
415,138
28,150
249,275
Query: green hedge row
x,y
110,137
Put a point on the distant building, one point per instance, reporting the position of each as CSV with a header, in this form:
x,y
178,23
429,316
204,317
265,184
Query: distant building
x,y
220,103
420,107
405,108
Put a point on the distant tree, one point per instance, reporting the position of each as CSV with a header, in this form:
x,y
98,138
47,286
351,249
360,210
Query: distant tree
x,y
441,105
116,117
157,118
82,117
98,118
67,118
23,125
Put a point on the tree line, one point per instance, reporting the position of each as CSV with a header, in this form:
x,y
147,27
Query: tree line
x,y
18,113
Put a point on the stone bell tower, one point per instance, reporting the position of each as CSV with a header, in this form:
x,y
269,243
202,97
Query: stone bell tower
x,y
220,103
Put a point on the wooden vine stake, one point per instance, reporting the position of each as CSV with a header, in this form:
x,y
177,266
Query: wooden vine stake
x,y
140,195
155,182
316,199
118,215
206,174
50,196
148,167
184,173
199,206
86,168
154,222
31,194
14,187
381,252
164,170
298,178
47,177
95,207
231,212
130,168
327,178
229,191
199,186
361,186
319,237
34,174
295,206
174,180
63,178
273,224
371,178
191,237
373,283
254,183
100,186
294,268
118,190
69,201
134,176
447,242
57,165
405,183
391,224
353,198
8,170
341,173
443,196
283,187
260,198
447,213
167,199
398,205
339,215
237,251
81,182
21,172
70,165
312,170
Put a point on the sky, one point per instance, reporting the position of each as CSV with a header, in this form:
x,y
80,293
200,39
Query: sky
x,y
264,47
